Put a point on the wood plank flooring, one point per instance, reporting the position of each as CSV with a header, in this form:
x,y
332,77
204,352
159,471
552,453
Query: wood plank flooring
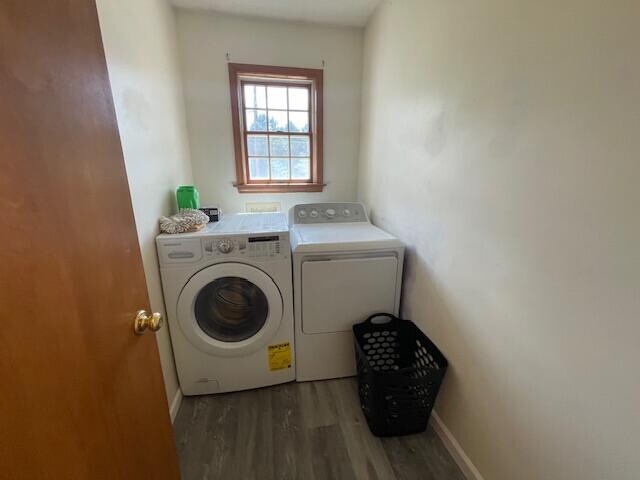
x,y
299,431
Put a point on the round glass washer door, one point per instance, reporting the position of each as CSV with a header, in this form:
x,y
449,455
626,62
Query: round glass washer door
x,y
230,309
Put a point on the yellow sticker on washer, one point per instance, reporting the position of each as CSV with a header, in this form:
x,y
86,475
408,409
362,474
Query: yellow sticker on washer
x,y
279,356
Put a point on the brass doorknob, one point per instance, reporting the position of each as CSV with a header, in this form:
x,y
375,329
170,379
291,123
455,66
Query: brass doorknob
x,y
143,321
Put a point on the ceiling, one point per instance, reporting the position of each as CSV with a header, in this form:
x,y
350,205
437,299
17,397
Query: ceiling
x,y
329,12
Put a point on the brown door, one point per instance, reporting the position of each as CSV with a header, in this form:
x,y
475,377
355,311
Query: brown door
x,y
81,396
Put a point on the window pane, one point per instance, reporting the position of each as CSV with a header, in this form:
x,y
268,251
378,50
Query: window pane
x,y
257,145
300,168
255,96
299,146
298,121
259,168
280,168
277,121
256,121
279,146
298,99
277,97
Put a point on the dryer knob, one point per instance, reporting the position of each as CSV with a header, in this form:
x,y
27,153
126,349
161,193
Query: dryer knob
x,y
225,246
346,212
314,213
302,213
330,212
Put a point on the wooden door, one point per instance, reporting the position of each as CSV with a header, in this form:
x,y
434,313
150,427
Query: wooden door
x,y
81,396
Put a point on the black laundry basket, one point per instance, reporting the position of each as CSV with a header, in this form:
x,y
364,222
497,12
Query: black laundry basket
x,y
399,374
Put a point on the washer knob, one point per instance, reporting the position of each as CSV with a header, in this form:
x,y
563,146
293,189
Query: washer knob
x,y
346,212
225,246
313,213
330,212
302,213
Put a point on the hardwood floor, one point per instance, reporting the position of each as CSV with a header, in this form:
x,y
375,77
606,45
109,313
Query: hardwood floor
x,y
301,431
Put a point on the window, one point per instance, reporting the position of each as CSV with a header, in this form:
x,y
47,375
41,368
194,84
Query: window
x,y
277,128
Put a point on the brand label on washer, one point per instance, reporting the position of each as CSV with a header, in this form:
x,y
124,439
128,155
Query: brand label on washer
x,y
279,356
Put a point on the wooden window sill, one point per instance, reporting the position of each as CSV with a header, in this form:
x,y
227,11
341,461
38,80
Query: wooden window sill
x,y
280,187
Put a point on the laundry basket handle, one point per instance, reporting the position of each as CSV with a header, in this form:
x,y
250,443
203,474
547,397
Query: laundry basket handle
x,y
389,318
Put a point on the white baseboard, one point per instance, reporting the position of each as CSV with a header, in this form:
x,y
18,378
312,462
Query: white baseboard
x,y
464,462
175,404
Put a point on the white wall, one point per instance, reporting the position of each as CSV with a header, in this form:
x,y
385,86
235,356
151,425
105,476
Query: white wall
x,y
501,142
140,47
204,39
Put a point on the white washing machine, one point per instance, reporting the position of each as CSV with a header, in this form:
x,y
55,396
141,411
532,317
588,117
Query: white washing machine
x,y
344,269
229,300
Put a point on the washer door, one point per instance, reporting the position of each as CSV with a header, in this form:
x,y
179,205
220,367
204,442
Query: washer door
x,y
230,309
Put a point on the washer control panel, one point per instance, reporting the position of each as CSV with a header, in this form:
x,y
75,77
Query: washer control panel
x,y
252,246
327,213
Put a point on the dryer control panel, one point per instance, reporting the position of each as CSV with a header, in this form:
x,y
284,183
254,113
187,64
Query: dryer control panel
x,y
309,213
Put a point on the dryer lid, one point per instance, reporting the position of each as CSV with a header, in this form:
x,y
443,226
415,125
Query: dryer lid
x,y
342,237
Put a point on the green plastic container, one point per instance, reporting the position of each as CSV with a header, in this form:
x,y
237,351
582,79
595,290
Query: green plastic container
x,y
188,197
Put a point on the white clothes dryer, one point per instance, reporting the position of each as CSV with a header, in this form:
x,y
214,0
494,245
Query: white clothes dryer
x,y
344,270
